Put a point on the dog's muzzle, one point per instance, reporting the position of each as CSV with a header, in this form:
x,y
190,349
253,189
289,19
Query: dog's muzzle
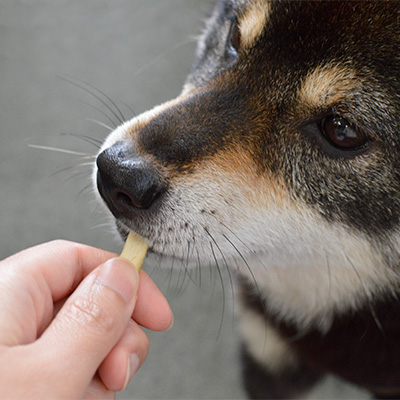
x,y
126,181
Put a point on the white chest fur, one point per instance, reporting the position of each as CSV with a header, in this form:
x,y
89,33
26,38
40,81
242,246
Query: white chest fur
x,y
322,270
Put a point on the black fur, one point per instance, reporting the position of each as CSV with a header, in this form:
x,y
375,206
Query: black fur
x,y
288,384
361,347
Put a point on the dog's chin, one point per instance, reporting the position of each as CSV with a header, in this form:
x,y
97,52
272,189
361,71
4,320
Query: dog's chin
x,y
122,229
158,257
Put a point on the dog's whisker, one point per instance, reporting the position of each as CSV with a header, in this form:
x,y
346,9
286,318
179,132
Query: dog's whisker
x,y
156,266
103,225
83,190
244,244
105,115
245,262
190,250
368,298
162,55
129,108
102,124
72,167
84,136
222,288
86,164
198,267
198,262
159,258
59,150
79,175
225,262
186,273
181,280
170,275
329,274
94,141
97,93
258,290
178,279
180,284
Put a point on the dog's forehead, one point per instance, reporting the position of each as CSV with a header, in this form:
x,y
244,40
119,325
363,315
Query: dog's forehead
x,y
322,22
308,33
288,42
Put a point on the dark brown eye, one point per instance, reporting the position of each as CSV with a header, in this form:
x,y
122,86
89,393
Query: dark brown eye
x,y
234,37
341,133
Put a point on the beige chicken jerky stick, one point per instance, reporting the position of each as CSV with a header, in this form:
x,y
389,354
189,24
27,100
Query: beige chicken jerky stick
x,y
135,249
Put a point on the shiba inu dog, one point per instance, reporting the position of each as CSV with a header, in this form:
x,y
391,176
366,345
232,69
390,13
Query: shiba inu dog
x,y
281,159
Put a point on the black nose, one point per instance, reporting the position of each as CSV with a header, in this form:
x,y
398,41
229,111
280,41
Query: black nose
x,y
126,181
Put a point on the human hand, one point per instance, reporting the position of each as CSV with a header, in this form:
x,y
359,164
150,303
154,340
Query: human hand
x,y
70,322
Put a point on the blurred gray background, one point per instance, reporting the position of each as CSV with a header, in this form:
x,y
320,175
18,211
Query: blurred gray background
x,y
137,52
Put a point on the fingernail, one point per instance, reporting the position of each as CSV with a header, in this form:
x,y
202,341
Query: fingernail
x,y
115,275
133,366
171,324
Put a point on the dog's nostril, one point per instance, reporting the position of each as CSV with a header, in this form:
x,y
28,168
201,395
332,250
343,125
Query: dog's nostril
x,y
135,200
126,181
123,198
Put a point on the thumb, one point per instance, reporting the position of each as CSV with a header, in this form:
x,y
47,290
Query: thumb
x,y
91,322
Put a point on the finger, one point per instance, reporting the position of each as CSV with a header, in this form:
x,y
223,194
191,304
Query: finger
x,y
90,324
97,390
60,263
125,358
152,309
36,380
34,278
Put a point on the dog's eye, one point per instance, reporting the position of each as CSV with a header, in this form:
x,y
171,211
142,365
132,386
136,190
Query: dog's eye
x,y
234,37
341,133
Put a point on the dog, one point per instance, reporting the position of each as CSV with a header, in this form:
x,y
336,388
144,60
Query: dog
x,y
281,159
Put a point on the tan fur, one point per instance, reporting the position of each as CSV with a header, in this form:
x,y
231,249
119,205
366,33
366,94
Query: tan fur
x,y
253,22
237,167
326,85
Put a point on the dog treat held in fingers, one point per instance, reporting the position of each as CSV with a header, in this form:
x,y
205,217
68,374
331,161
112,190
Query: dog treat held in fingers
x,y
135,249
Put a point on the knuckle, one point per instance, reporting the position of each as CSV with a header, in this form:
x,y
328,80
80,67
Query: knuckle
x,y
138,338
145,340
142,339
62,243
89,313
143,349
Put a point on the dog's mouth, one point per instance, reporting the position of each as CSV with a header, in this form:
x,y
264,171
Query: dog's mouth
x,y
123,231
179,220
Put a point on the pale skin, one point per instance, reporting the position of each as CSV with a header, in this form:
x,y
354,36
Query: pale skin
x,y
71,319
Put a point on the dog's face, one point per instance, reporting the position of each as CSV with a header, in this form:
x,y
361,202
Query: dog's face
x,y
281,152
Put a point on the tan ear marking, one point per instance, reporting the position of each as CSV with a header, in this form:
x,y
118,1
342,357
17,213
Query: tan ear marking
x,y
253,21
